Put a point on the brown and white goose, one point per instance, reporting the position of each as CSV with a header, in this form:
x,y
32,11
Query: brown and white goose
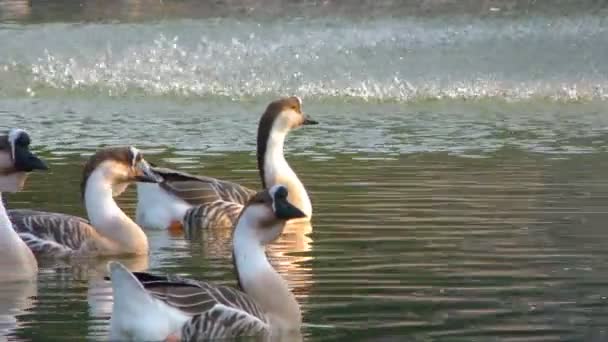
x,y
155,308
110,231
16,260
196,202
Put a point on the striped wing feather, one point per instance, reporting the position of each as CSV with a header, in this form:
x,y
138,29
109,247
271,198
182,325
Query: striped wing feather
x,y
217,311
217,214
222,322
196,190
48,233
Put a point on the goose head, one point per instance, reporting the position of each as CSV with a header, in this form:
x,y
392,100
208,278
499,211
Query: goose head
x,y
266,213
283,115
16,160
118,167
280,117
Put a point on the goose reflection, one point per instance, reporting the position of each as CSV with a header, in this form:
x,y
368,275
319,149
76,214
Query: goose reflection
x,y
289,255
99,292
16,298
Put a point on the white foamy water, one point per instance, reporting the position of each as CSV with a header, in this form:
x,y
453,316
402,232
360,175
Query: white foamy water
x,y
405,59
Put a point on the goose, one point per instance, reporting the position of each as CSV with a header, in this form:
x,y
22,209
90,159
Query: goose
x,y
150,307
16,160
192,203
110,231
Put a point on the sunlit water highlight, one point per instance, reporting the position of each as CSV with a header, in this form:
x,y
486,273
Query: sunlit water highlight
x,y
383,59
425,246
458,175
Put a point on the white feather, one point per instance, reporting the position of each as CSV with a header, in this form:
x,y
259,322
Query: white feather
x,y
16,260
278,171
134,153
136,315
13,134
156,208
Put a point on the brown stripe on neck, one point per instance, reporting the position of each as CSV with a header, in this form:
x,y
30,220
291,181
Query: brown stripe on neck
x,y
265,126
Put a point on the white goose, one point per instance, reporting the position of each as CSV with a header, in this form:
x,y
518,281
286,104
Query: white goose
x,y
16,260
153,308
111,232
196,202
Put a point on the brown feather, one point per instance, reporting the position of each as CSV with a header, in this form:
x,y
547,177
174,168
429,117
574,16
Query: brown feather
x,y
196,297
201,190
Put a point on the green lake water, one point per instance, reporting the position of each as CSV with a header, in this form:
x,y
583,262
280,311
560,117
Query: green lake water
x,y
458,176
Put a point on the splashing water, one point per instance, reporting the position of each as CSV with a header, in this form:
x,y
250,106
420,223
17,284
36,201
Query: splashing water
x,y
376,60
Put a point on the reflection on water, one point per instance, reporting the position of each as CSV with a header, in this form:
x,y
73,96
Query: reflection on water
x,y
16,298
99,292
479,217
290,254
426,246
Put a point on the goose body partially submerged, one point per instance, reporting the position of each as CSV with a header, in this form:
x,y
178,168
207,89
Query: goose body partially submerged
x,y
188,200
149,307
16,260
195,202
110,231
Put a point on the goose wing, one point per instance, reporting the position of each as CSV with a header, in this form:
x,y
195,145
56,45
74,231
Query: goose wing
x,y
47,233
200,189
217,311
216,214
223,322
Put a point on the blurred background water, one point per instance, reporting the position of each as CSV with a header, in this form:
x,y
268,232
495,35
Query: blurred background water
x,y
457,176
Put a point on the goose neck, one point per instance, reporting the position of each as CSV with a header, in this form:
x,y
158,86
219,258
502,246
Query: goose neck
x,y
5,223
107,217
16,259
259,279
277,171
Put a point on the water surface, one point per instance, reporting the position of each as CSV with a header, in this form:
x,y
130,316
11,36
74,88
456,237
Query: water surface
x,y
457,175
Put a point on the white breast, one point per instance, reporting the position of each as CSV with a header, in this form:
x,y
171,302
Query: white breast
x,y
156,208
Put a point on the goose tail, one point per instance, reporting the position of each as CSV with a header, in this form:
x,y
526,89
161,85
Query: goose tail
x,y
130,301
126,287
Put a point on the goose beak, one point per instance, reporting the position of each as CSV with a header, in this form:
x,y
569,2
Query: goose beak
x,y
287,211
145,174
309,121
26,161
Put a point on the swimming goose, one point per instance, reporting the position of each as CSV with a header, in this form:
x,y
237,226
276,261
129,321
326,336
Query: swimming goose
x,y
111,232
151,308
16,260
196,202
